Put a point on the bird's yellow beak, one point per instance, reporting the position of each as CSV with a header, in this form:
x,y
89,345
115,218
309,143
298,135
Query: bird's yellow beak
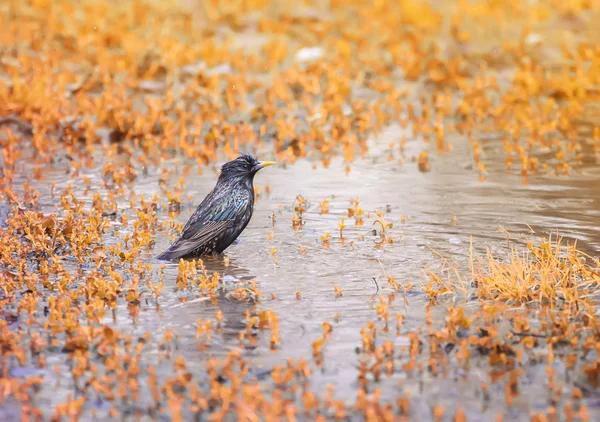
x,y
264,164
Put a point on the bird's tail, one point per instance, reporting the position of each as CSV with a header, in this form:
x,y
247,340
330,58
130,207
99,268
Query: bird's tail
x,y
168,255
179,249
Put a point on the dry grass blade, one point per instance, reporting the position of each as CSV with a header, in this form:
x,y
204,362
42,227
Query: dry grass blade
x,y
552,273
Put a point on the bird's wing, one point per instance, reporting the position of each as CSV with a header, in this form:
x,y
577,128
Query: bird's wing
x,y
208,230
214,215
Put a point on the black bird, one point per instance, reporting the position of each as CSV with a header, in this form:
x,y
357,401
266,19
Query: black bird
x,y
222,215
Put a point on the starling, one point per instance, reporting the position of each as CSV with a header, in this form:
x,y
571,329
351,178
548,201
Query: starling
x,y
222,215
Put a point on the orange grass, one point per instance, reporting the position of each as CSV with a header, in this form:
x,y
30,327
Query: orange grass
x,y
552,273
121,88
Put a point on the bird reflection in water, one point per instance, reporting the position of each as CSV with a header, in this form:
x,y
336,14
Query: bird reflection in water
x,y
235,310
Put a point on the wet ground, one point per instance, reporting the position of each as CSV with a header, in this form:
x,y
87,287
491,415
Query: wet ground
x,y
305,318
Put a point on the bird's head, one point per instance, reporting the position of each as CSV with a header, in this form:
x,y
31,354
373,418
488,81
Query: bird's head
x,y
243,167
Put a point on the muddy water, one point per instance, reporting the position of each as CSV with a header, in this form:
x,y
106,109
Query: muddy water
x,y
436,218
444,211
439,213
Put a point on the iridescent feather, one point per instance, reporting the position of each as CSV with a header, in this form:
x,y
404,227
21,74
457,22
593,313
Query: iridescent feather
x,y
222,215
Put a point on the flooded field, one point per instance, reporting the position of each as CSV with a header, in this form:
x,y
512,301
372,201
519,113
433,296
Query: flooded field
x,y
426,247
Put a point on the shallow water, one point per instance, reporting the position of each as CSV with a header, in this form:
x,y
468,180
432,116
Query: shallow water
x,y
444,211
442,219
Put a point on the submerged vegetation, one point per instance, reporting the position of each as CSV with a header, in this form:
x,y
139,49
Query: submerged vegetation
x,y
111,113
